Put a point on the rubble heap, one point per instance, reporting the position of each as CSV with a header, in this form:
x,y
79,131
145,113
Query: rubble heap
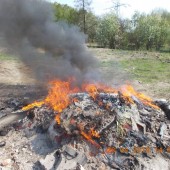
x,y
109,129
99,128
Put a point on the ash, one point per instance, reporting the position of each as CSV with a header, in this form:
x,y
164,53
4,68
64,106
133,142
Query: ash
x,y
101,133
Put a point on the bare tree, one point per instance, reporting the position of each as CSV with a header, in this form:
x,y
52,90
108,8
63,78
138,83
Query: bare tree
x,y
84,6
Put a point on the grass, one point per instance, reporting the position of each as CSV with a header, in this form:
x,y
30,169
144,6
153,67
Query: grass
x,y
147,67
4,56
148,70
109,63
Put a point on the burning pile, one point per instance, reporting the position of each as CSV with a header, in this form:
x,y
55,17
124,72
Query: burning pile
x,y
93,125
110,125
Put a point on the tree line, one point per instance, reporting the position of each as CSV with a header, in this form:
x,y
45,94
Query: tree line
x,y
142,31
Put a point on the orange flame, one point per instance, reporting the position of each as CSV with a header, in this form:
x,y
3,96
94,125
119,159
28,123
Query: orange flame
x,y
75,100
89,138
128,91
57,118
110,150
91,89
58,97
35,104
94,133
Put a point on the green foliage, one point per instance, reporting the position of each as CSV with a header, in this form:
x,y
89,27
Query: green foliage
x,y
65,13
75,16
124,33
85,16
150,32
91,26
108,31
142,32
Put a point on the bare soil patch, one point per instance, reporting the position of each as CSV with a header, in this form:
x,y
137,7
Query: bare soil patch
x,y
17,83
14,72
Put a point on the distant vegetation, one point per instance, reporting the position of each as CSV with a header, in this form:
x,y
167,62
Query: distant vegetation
x,y
141,32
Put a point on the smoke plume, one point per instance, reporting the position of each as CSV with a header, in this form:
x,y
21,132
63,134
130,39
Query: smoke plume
x,y
51,49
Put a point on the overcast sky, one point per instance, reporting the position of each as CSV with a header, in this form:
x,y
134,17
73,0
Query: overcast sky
x,y
100,7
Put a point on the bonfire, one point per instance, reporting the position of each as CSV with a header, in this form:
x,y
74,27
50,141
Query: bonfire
x,y
95,120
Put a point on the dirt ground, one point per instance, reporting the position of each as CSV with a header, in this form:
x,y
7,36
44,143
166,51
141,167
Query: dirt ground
x,y
16,80
14,73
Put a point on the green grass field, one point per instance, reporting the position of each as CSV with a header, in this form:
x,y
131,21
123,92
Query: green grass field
x,y
151,69
148,70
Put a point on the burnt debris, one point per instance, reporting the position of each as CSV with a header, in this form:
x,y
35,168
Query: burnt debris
x,y
102,132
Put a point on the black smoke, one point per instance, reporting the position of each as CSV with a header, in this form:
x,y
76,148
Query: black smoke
x,y
51,49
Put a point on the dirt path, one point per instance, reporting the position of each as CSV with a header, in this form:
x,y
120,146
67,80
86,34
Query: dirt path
x,y
17,83
13,72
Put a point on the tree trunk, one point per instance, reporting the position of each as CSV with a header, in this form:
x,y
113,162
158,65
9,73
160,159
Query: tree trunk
x,y
84,17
